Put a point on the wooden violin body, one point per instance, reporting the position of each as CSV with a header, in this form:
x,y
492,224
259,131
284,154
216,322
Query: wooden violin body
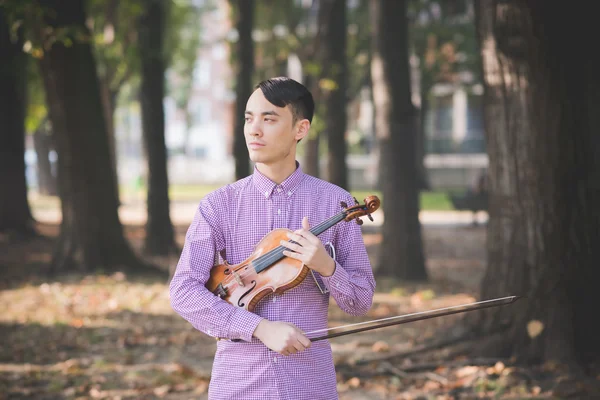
x,y
267,269
242,286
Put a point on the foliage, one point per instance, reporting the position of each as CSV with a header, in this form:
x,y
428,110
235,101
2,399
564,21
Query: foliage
x,y
37,112
183,38
115,39
442,35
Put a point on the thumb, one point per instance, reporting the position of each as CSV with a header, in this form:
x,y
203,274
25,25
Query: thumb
x,y
305,224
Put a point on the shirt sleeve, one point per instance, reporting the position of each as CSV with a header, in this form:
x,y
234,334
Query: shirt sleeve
x,y
352,284
188,295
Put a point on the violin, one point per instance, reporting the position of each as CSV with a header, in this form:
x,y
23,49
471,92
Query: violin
x,y
267,270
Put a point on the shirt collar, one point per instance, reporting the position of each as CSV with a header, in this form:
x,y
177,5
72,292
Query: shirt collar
x,y
267,186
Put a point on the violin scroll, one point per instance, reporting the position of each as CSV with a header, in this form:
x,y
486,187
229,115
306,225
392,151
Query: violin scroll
x,y
371,205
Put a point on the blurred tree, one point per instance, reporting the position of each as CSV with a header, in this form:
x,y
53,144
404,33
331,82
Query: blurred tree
x,y
541,97
243,15
118,57
160,238
286,29
334,88
182,42
15,215
91,235
38,124
401,252
115,46
442,37
295,31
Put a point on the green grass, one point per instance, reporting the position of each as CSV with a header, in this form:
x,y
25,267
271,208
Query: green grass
x,y
431,201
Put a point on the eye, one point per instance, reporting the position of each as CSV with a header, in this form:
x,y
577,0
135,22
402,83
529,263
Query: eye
x,y
269,120
247,119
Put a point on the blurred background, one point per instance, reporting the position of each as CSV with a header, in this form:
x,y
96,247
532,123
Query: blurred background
x,y
475,122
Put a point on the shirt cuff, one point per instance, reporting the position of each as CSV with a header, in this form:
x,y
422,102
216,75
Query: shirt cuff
x,y
337,279
243,324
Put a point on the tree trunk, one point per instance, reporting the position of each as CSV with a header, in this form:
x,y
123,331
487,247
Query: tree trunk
x,y
42,141
159,229
91,234
15,215
421,141
243,87
311,151
109,98
334,38
542,126
401,252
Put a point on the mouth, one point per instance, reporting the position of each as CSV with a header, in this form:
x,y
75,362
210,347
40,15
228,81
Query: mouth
x,y
255,145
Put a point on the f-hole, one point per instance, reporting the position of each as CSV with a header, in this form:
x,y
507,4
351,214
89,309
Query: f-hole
x,y
245,293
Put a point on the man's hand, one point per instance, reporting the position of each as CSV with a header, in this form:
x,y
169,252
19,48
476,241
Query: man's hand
x,y
282,337
309,249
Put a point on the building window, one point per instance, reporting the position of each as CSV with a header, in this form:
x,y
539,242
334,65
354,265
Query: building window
x,y
202,74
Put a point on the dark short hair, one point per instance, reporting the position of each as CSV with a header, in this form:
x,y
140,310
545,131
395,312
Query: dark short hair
x,y
283,91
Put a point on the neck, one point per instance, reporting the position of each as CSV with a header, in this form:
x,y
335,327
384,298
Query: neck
x,y
277,172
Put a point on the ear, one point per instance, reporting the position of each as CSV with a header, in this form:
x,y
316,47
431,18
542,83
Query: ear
x,y
303,126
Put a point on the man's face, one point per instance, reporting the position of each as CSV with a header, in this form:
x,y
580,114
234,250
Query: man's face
x,y
271,135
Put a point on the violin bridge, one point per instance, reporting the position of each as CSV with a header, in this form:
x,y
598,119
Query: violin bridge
x,y
238,279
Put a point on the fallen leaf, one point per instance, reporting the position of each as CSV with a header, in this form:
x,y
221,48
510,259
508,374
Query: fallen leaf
x,y
162,390
354,382
466,371
534,328
380,347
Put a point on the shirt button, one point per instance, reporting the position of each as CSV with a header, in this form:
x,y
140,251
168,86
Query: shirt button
x,y
279,211
337,285
266,194
279,189
274,299
289,193
274,359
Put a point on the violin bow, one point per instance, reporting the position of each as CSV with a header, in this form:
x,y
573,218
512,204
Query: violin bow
x,y
403,319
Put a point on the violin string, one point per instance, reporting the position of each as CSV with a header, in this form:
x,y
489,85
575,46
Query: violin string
x,y
275,254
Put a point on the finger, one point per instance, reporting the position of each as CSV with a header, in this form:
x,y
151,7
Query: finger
x,y
305,224
292,246
296,347
304,341
298,238
291,254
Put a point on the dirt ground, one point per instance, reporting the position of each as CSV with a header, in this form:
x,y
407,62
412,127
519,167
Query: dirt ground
x,y
115,337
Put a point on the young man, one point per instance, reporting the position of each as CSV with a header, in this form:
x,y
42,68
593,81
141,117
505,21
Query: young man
x,y
274,358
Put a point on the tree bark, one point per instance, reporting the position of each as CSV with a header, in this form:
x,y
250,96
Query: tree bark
x,y
15,214
159,229
334,38
541,99
311,152
401,252
109,98
243,87
91,235
420,142
42,141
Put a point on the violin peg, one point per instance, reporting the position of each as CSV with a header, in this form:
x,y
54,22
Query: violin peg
x,y
356,201
359,221
343,203
370,217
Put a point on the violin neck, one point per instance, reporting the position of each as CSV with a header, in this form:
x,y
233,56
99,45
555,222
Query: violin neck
x,y
323,226
266,260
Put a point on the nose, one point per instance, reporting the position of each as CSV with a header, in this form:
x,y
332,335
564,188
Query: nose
x,y
254,129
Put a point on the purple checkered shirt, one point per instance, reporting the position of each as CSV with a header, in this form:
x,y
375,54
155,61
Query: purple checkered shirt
x,y
228,224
